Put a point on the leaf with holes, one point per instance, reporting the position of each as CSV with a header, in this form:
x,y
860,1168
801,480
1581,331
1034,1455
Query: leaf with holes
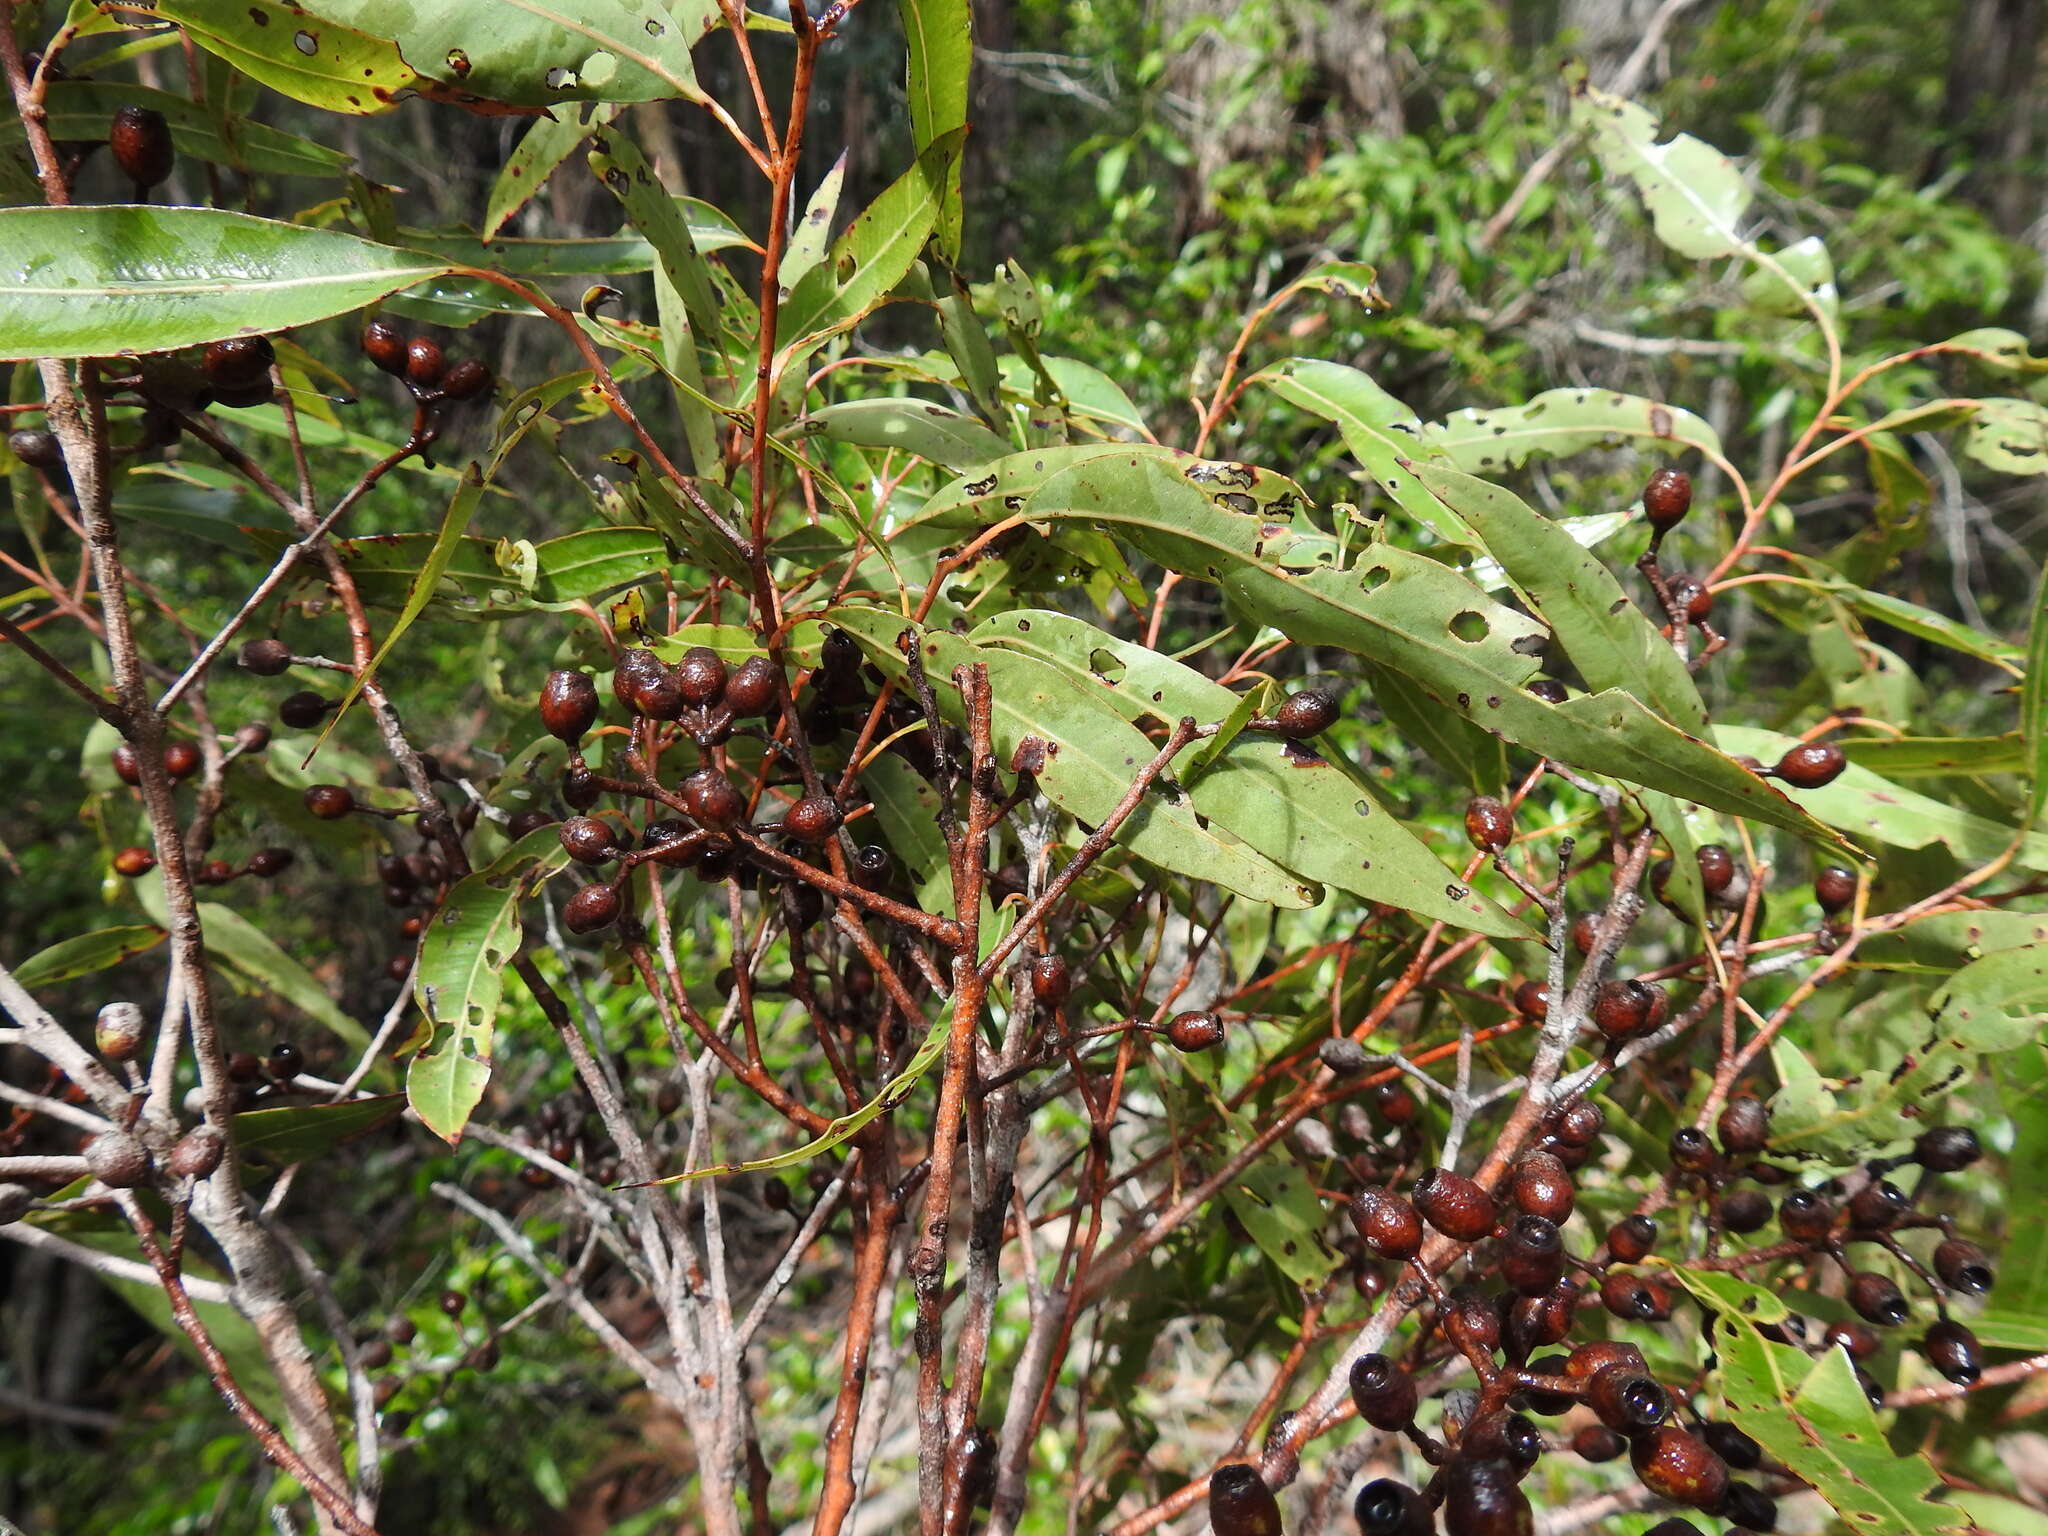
x,y
99,282
1301,811
1090,753
1559,422
540,150
939,36
1403,610
1812,1416
459,980
934,432
2010,436
1695,195
323,59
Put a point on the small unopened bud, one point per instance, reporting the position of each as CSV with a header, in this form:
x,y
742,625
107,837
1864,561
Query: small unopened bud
x,y
118,1032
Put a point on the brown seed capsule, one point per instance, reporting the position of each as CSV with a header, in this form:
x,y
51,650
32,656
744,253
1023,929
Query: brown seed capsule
x,y
592,909
568,705
1051,981
1732,1446
117,1160
1627,1400
1343,1056
1717,868
214,872
1630,1240
812,819
1878,1206
1678,1466
1805,1216
1489,824
15,1202
1195,1030
1834,888
1240,1503
526,823
1743,1210
1307,713
1472,1322
1622,1008
1532,1000
303,710
133,863
588,840
329,802
1859,1339
1596,1442
751,688
1548,689
1385,1394
1691,597
1385,1507
141,141
1691,1152
712,800
466,380
1877,1299
1577,1124
36,448
700,675
1454,1205
1534,1321
424,364
1952,1350
1542,1187
1505,1437
196,1154
1744,1127
1549,1404
1667,498
1588,1359
1532,1255
1947,1149
1386,1223
1748,1509
1963,1267
253,737
383,346
1628,1297
1481,1499
238,362
1582,933
1811,765
580,787
1395,1104
181,759
266,658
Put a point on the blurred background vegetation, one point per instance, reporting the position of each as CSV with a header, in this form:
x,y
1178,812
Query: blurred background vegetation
x,y
1160,166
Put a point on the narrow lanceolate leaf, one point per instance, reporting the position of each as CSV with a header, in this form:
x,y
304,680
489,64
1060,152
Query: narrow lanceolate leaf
x,y
1307,815
811,235
2034,708
939,37
232,939
1611,641
1695,195
1565,421
85,953
543,147
1407,612
1812,1416
2010,436
626,173
296,1132
1875,810
79,109
931,431
1091,754
459,980
102,281
327,61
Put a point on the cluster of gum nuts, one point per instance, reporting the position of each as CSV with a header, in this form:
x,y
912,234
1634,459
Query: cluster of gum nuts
x,y
1489,1441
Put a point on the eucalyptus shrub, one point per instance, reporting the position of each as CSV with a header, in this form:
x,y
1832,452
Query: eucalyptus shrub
x,y
929,854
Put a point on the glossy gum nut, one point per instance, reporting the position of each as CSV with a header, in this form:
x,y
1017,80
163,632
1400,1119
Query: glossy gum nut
x,y
196,1154
568,705
1743,1210
1505,1437
1622,1008
1859,1339
1343,1056
1596,1356
1678,1466
1307,713
1834,888
1577,1124
713,801
1195,1030
1482,1500
1952,1350
751,688
1489,824
1631,1239
1748,1509
1805,1215
329,802
36,448
117,1160
700,675
1387,1508
140,139
592,909
1532,1000
1878,1206
1598,1443
1626,1400
1692,597
1386,1223
1877,1299
635,669
466,380
1667,497
424,364
1691,1152
1812,764
1717,868
1051,982
1240,1503
580,787
181,759
266,658
1454,1205
812,819
1947,1149
1385,1394
117,1032
1541,1186
1532,1255
1963,1267
238,362
1732,1446
1744,1127
588,840
1628,1297
302,710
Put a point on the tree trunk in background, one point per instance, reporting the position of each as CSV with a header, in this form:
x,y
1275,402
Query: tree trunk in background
x,y
1349,88
1994,49
1605,32
992,119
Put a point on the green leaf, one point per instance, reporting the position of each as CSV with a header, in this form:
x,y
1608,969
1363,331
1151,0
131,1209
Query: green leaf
x,y
940,37
812,234
1400,609
876,252
1278,1206
1086,389
297,1132
543,147
1611,641
1310,817
475,584
935,432
1995,347
973,354
1879,811
68,959
2034,708
1799,276
1925,623
1720,1292
664,221
983,499
1812,1416
1695,195
459,980
1347,280
1091,754
539,53
324,60
1565,421
1909,757
907,808
2010,436
97,282
235,941
1453,742
79,109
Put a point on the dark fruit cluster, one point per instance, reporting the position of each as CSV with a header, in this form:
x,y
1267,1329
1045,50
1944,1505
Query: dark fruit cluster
x,y
418,362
